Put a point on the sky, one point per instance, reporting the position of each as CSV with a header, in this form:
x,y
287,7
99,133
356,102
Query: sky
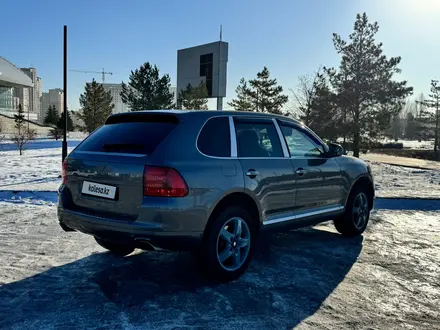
x,y
290,37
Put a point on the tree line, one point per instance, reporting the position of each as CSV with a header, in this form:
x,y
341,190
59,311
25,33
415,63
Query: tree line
x,y
359,100
57,122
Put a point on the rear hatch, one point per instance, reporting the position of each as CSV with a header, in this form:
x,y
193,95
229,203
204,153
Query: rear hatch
x,y
105,172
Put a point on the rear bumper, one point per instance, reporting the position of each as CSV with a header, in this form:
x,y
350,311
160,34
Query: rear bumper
x,y
163,223
135,233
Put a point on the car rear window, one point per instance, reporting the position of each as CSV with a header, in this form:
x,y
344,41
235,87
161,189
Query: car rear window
x,y
128,137
214,138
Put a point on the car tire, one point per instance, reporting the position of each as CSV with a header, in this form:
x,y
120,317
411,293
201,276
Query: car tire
x,y
354,221
115,248
228,244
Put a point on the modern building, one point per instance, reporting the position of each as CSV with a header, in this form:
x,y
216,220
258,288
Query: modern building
x,y
173,90
39,89
12,77
115,91
204,64
54,97
22,94
16,103
34,97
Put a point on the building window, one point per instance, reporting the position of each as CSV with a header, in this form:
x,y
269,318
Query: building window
x,y
206,65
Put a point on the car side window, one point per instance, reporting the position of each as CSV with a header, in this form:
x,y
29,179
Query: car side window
x,y
300,143
214,139
257,139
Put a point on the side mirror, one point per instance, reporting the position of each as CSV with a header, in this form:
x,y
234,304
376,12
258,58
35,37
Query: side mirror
x,y
335,150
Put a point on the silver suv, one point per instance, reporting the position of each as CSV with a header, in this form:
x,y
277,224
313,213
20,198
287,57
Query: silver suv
x,y
208,182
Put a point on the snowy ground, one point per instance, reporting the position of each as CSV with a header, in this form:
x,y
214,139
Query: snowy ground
x,y
398,181
411,144
309,279
39,168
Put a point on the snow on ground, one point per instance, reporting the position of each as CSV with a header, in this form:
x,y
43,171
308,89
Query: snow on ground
x,y
310,279
412,144
39,168
398,181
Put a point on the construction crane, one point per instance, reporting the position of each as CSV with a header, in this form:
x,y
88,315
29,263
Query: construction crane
x,y
101,72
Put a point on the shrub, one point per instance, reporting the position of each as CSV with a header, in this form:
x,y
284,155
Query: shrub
x,y
393,145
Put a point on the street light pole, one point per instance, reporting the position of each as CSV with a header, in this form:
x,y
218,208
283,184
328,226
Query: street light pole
x,y
64,146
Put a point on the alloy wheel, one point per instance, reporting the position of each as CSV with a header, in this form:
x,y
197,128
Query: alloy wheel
x,y
233,244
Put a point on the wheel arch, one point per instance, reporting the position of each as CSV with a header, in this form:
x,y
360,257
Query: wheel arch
x,y
363,181
240,199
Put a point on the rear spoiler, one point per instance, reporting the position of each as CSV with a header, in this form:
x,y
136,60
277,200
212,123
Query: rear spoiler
x,y
136,117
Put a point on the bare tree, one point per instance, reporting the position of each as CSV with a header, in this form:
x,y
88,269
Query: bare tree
x,y
400,121
420,105
304,94
22,135
429,118
1,130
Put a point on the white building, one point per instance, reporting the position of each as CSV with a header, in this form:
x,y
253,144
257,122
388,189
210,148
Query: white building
x,y
115,91
52,97
22,94
12,79
33,92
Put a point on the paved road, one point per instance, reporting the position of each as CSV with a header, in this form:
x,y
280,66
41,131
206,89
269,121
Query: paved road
x,y
402,161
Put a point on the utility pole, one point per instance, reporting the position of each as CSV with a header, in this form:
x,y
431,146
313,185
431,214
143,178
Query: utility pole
x,y
219,98
64,153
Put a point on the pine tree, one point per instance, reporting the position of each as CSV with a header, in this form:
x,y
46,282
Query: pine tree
x,y
195,98
96,106
322,113
51,116
61,121
242,101
433,118
21,134
368,95
19,119
146,90
413,129
264,94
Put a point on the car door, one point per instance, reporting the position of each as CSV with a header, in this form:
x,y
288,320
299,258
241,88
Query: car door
x,y
318,177
268,172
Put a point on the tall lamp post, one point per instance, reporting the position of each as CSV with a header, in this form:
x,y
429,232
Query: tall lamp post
x,y
64,146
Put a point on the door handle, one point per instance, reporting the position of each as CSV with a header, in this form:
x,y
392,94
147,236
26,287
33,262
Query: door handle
x,y
300,171
252,173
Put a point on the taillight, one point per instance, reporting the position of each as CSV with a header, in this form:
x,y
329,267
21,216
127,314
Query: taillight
x,y
164,182
64,172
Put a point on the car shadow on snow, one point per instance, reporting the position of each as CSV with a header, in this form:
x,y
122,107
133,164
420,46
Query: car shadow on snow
x,y
407,204
289,278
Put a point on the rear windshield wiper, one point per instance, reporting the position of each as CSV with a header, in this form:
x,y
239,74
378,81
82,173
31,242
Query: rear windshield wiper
x,y
122,146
